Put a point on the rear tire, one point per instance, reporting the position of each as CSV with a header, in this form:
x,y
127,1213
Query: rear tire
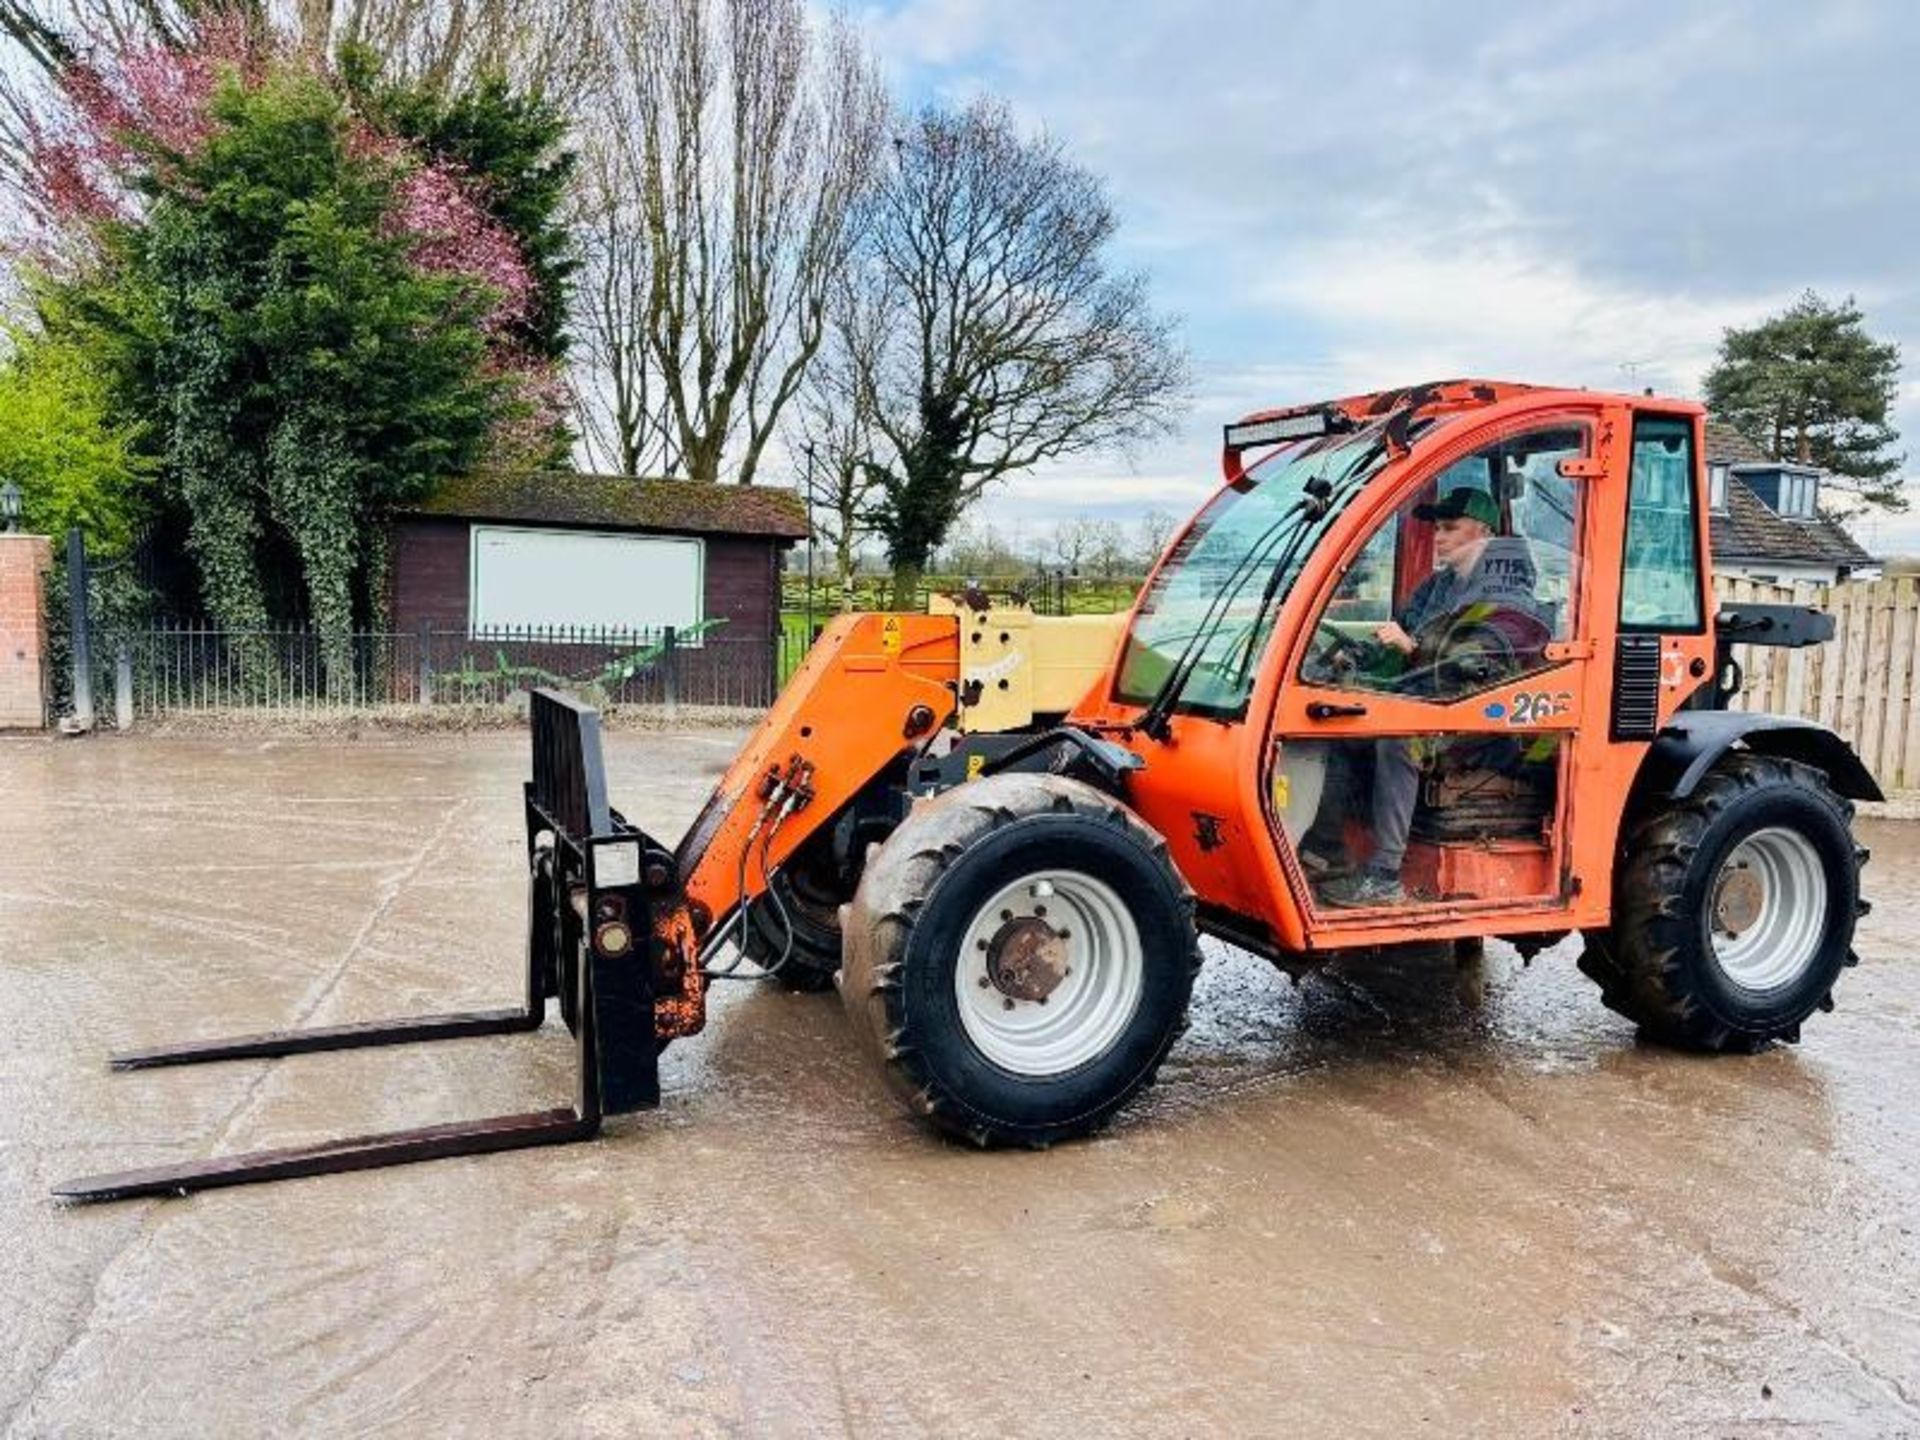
x,y
1019,958
1734,908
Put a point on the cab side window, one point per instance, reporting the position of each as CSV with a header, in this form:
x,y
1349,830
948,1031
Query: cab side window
x,y
1466,583
1660,585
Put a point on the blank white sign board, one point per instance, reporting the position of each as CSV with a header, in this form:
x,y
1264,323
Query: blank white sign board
x,y
545,578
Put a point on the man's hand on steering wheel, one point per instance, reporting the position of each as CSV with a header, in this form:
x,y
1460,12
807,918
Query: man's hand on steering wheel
x,y
1338,657
1392,635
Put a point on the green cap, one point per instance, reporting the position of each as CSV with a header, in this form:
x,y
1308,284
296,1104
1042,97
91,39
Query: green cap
x,y
1474,504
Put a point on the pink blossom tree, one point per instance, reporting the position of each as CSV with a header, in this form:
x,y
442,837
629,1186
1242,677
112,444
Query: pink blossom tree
x,y
315,315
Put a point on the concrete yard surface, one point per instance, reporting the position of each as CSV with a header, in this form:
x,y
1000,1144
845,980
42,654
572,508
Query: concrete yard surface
x,y
1364,1205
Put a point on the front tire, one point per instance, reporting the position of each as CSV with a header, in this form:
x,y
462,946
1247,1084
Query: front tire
x,y
1734,909
1019,957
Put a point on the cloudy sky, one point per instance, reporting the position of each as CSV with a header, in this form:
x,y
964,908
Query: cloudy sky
x,y
1342,197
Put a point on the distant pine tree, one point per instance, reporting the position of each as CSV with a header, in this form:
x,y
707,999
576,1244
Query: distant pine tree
x,y
1812,386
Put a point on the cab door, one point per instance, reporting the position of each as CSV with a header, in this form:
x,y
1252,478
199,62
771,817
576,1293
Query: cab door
x,y
1430,718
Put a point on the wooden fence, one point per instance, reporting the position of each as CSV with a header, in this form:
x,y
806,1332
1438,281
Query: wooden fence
x,y
1865,683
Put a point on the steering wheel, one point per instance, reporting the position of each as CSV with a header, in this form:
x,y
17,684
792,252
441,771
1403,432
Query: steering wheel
x,y
1475,653
1336,656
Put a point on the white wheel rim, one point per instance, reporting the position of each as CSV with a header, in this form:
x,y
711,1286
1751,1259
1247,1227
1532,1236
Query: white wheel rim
x,y
1767,909
1086,1009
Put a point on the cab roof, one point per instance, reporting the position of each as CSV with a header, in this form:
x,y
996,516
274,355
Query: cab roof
x,y
1404,407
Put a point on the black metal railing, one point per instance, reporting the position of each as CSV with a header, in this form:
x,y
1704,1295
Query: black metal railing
x,y
178,668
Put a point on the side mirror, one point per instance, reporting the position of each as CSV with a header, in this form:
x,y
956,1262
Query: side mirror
x,y
1511,483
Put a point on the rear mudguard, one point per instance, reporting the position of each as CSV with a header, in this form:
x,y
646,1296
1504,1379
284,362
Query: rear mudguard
x,y
1688,745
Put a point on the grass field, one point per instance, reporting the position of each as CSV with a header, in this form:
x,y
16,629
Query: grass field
x,y
1069,595
1050,594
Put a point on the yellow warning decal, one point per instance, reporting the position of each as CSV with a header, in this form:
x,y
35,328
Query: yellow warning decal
x,y
975,764
890,635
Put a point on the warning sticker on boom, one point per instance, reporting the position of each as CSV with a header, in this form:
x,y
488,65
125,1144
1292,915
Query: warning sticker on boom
x,y
890,635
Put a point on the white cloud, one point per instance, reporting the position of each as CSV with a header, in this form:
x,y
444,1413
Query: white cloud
x,y
1401,312
1585,193
1394,313
1066,490
930,32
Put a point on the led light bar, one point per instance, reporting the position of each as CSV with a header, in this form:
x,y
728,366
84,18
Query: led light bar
x,y
1304,426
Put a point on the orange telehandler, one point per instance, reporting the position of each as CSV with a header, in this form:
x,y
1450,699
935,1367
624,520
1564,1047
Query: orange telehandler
x,y
1432,664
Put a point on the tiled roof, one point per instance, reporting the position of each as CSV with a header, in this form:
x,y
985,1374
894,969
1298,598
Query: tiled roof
x,y
621,502
1728,444
1749,530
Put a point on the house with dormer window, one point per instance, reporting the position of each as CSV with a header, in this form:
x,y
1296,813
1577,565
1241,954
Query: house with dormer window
x,y
1765,520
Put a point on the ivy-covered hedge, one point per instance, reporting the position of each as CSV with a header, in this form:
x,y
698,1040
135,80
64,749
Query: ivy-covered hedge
x,y
295,304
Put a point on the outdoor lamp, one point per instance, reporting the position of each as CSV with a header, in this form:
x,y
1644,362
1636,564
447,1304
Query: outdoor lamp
x,y
9,507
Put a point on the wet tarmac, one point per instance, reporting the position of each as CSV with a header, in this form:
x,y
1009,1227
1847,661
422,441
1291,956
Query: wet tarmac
x,y
1363,1205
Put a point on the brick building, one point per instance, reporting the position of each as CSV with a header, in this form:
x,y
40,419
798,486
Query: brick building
x,y
490,554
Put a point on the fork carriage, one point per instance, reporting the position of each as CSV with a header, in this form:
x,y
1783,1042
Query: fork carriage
x,y
590,878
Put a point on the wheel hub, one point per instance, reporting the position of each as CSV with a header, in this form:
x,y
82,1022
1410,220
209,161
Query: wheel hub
x,y
1769,909
1050,972
1739,899
1027,959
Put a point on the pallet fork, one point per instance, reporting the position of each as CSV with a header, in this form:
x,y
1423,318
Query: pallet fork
x,y
592,882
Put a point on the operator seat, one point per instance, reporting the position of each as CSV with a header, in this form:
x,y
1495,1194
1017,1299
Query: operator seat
x,y
1495,786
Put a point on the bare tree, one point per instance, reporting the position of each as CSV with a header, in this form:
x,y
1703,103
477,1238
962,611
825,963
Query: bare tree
x,y
51,34
549,47
830,428
1073,541
757,149
1108,555
623,425
39,33
42,39
1154,530
544,45
978,550
1015,343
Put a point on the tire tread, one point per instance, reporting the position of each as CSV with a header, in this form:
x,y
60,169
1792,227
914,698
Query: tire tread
x,y
1639,964
878,925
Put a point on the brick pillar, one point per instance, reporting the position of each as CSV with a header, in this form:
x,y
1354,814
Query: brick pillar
x,y
23,631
